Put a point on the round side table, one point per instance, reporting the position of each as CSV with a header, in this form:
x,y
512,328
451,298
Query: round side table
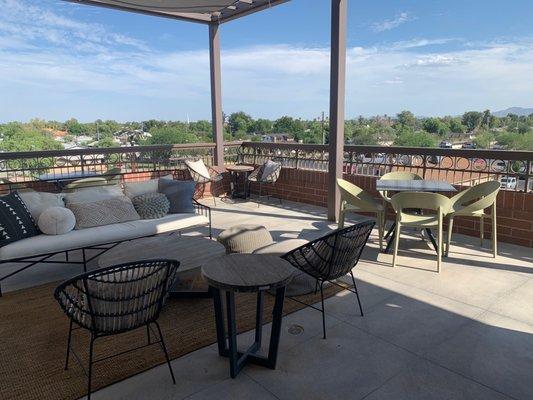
x,y
237,171
247,273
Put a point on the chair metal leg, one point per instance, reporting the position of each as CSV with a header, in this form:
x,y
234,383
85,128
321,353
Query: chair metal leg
x,y
323,309
380,230
84,260
357,294
439,244
90,374
68,344
164,347
396,243
494,238
481,230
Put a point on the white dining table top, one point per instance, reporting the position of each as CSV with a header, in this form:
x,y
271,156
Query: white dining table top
x,y
395,185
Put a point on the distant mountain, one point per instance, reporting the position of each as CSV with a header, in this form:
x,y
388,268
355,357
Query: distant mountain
x,y
513,110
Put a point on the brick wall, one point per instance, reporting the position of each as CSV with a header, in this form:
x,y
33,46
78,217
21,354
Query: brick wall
x,y
514,209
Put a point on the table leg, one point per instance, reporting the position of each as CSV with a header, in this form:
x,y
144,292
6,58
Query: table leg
x,y
390,234
275,335
219,320
432,239
232,334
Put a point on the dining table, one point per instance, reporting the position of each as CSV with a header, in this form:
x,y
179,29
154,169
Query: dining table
x,y
408,185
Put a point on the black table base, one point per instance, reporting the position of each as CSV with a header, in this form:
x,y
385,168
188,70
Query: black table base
x,y
392,233
227,345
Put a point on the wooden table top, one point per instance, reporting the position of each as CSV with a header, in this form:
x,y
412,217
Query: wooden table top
x,y
191,252
240,168
247,272
396,185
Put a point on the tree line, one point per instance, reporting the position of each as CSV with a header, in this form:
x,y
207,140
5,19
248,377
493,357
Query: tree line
x,y
482,129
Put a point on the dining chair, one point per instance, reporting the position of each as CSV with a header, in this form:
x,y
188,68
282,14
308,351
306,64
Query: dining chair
x,y
396,175
203,175
409,207
473,202
266,174
331,257
355,199
115,300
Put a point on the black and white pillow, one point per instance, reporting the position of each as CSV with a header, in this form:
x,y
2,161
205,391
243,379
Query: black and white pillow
x,y
16,221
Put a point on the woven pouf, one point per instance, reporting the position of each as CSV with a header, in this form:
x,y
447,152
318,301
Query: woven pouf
x,y
301,283
245,238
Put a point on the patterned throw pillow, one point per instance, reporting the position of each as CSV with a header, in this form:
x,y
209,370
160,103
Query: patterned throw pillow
x,y
151,205
16,221
105,212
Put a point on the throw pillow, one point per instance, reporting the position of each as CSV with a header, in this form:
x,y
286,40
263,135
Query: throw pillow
x,y
37,202
134,189
16,221
268,169
179,194
151,205
92,194
56,221
198,167
105,212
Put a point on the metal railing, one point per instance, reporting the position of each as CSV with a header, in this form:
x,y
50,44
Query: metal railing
x,y
514,169
19,168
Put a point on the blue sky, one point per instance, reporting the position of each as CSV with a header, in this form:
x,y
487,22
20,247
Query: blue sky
x,y
59,60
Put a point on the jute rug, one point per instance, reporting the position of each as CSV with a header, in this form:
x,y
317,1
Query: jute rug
x,y
33,334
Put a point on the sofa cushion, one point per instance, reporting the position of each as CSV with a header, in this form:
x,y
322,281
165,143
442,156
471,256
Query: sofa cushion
x,y
16,222
56,221
44,244
134,189
37,202
151,205
105,212
179,194
92,194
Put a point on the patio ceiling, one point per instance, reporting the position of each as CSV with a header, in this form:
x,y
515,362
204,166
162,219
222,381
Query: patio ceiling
x,y
202,11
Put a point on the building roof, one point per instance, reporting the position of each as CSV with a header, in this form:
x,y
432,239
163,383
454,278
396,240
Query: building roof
x,y
202,11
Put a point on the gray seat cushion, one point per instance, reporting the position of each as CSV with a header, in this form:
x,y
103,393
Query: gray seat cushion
x,y
245,238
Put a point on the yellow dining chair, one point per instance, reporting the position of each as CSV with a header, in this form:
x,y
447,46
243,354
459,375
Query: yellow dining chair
x,y
355,199
404,204
396,175
473,202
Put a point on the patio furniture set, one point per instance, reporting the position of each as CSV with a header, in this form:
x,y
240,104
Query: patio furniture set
x,y
412,200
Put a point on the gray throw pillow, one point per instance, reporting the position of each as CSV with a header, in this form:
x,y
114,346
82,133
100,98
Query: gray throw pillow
x,y
151,205
179,194
105,212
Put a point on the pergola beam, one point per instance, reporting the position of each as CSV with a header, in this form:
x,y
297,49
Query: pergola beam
x,y
339,9
216,93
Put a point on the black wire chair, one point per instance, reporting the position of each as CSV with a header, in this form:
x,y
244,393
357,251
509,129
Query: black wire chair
x,y
202,179
331,257
257,177
115,300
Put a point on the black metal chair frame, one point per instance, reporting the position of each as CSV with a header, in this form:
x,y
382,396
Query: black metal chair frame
x,y
69,307
256,176
333,266
214,176
102,248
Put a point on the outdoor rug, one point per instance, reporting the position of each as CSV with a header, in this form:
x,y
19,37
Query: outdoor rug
x,y
33,337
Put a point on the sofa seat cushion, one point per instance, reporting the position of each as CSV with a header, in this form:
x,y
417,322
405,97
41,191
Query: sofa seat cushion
x,y
44,244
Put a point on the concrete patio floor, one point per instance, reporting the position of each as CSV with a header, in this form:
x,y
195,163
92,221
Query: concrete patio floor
x,y
466,333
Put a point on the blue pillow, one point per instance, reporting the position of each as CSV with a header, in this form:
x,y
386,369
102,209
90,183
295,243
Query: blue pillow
x,y
179,195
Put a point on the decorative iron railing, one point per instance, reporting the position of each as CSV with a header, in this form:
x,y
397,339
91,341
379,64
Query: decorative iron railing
x,y
514,169
18,168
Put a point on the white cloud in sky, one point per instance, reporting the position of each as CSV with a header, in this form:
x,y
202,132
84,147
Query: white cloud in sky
x,y
388,24
54,67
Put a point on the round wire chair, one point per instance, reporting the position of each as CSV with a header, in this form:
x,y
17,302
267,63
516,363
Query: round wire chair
x,y
115,300
331,257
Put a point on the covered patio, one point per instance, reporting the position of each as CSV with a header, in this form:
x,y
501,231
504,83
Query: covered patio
x,y
462,334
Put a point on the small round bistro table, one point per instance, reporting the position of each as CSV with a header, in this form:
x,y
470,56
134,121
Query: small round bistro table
x,y
191,252
247,273
237,171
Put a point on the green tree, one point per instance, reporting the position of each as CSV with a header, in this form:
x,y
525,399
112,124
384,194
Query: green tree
x,y
436,126
106,142
456,126
288,124
406,118
260,126
472,120
171,135
74,128
483,139
410,138
239,122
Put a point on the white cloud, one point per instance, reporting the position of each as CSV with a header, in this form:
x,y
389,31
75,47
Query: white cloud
x,y
56,67
389,24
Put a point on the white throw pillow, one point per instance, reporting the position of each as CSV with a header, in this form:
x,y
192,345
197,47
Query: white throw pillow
x,y
56,221
268,168
134,189
92,194
198,167
37,202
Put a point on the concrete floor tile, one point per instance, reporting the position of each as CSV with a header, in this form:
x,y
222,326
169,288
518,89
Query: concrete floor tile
x,y
496,351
